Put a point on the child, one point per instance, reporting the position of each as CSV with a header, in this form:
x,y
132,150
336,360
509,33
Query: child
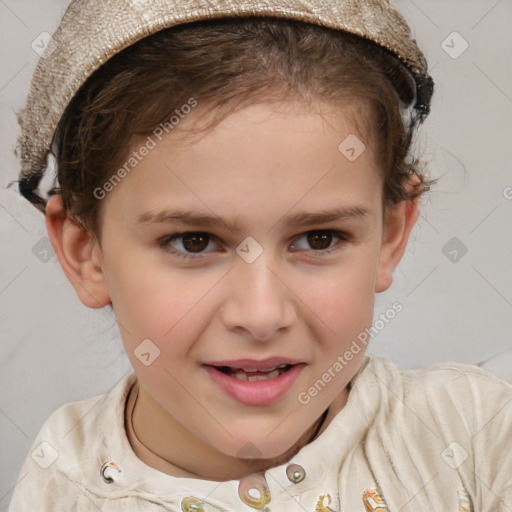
x,y
234,181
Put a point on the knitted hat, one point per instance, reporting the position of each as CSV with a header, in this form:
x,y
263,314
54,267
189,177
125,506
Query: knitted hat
x,y
93,31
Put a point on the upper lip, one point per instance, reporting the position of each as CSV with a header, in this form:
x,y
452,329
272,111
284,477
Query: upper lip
x,y
253,364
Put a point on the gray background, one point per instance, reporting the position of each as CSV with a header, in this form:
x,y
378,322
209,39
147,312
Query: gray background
x,y
54,350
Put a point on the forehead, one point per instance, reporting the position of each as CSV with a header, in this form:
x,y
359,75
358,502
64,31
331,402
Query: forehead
x,y
350,114
258,161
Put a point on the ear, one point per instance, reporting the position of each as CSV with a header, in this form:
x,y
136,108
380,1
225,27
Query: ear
x,y
79,255
399,221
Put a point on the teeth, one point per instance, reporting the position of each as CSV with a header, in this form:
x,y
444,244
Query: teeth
x,y
251,378
265,370
254,375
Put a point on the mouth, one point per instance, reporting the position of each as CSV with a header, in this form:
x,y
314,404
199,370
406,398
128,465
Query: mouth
x,y
249,375
254,383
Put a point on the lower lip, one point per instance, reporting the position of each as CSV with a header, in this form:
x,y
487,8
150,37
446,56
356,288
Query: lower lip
x,y
259,392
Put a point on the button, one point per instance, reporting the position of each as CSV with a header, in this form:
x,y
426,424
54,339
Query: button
x,y
253,490
192,504
295,473
107,470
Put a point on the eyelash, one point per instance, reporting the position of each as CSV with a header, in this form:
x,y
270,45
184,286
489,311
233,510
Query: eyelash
x,y
164,243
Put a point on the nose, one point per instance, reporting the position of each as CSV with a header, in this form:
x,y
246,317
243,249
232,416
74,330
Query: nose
x,y
258,303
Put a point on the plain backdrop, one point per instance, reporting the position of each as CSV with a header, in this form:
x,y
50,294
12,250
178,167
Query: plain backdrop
x,y
455,281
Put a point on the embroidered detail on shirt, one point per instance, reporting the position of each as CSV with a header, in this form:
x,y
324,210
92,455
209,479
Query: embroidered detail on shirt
x,y
322,506
373,501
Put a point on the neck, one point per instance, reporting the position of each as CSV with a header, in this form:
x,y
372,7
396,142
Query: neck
x,y
164,444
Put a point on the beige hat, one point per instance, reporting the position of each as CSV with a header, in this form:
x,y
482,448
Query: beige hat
x,y
92,31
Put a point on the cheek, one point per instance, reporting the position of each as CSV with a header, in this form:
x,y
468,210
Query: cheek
x,y
344,297
158,302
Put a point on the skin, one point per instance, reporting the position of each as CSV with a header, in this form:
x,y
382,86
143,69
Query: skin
x,y
260,166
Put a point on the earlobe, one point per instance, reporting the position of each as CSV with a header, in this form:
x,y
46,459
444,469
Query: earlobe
x,y
400,220
79,255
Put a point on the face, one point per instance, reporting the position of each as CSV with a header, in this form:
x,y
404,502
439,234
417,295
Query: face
x,y
257,240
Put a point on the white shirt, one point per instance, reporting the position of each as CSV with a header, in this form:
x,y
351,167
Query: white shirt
x,y
437,439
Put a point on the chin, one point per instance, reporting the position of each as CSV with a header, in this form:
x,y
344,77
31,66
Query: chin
x,y
261,449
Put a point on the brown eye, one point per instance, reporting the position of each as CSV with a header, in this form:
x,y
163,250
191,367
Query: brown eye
x,y
195,242
191,244
320,240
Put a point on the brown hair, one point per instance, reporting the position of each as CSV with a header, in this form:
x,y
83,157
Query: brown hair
x,y
228,64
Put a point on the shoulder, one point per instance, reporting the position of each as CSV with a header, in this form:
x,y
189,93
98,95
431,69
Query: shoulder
x,y
452,420
445,382
457,383
460,399
442,379
73,423
69,445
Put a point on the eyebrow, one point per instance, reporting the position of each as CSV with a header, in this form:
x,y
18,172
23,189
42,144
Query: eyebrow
x,y
214,221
